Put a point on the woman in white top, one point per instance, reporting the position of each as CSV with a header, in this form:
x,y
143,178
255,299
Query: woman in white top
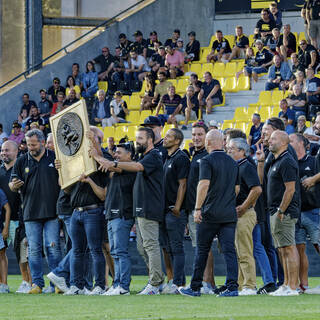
x,y
118,108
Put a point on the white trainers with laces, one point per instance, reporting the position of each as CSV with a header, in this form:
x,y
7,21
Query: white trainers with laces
x,y
48,290
149,290
279,291
59,282
73,290
247,292
288,292
97,291
172,289
4,288
24,287
315,290
110,291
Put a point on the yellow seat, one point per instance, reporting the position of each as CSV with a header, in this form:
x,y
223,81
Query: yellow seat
x,y
134,116
103,85
182,85
166,128
308,124
227,125
108,132
240,114
275,111
205,52
126,99
144,114
243,84
251,111
241,125
131,133
265,98
196,68
213,38
230,38
240,65
120,132
230,69
265,113
251,39
186,144
277,96
142,91
135,102
230,85
218,69
173,81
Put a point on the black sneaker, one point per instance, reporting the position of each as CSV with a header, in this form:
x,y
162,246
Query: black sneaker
x,y
221,289
270,287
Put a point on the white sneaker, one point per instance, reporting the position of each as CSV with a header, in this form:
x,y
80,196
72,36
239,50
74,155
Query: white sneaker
x,y
164,287
97,291
171,289
315,290
86,291
149,290
206,288
73,290
4,288
279,291
110,291
24,287
288,292
59,282
48,290
247,292
119,291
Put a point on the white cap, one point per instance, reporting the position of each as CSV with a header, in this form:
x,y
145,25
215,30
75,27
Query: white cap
x,y
213,123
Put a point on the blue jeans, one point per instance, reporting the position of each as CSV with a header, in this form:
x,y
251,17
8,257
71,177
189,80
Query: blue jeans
x,y
256,70
39,233
261,257
270,86
205,235
119,236
175,229
131,76
87,227
308,225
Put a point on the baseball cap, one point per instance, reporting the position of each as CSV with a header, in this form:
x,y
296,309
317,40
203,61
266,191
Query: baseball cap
x,y
192,33
16,124
152,121
122,36
43,90
137,33
153,33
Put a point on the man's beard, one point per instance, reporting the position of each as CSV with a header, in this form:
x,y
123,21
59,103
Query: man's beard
x,y
141,148
7,160
37,153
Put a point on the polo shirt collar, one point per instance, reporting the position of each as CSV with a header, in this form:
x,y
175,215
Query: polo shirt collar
x,y
241,161
173,154
30,157
303,159
158,143
199,151
217,151
281,155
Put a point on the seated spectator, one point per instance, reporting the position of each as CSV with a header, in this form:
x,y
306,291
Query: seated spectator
x,y
263,60
289,128
192,48
35,118
301,124
161,88
297,101
168,103
76,74
308,55
279,75
299,80
101,110
118,109
275,14
174,62
71,99
188,109
117,55
286,111
17,135
45,106
195,82
265,38
59,105
241,44
119,69
89,81
250,61
287,44
71,84
265,24
158,60
3,135
180,47
173,41
210,93
139,68
54,89
124,44
311,135
151,49
220,48
111,148
272,41
140,45
146,100
23,118
312,87
296,66
27,103
105,60
255,131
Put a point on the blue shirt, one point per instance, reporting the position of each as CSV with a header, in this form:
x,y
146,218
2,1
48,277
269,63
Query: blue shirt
x,y
255,133
290,113
3,201
290,129
101,114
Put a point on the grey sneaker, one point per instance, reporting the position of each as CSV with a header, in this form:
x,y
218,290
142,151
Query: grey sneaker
x,y
74,291
48,289
97,291
4,288
59,282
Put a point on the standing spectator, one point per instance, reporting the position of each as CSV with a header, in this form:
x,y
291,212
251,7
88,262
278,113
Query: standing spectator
x,y
297,101
176,170
17,135
101,110
313,18
173,41
308,55
275,14
240,46
279,75
287,44
140,45
286,111
35,117
192,48
54,90
210,93
215,212
106,62
161,88
255,131
220,48
59,105
265,24
124,44
71,84
27,103
139,68
249,193
118,109
174,62
45,106
29,174
284,209
305,20
151,49
76,74
3,135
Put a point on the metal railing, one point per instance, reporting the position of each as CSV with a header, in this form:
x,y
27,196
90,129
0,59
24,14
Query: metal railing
x,y
105,23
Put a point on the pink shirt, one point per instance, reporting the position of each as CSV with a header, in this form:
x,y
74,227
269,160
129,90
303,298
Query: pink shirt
x,y
17,139
176,59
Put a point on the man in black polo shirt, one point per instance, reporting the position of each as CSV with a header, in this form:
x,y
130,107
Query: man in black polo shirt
x,y
27,103
240,46
284,205
36,178
54,89
35,118
148,203
265,24
9,152
106,62
176,169
220,48
308,55
140,45
215,211
287,44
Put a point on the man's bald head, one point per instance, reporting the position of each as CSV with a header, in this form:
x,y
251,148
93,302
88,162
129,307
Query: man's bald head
x,y
278,142
214,140
9,152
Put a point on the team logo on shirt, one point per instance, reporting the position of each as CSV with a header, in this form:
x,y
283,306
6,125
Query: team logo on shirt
x,y
51,165
170,165
26,170
198,160
307,169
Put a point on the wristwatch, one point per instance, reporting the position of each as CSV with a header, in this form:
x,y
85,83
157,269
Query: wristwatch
x,y
280,211
115,163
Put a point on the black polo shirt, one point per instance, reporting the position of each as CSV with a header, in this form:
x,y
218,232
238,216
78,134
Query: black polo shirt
x,y
193,48
63,204
264,56
169,42
314,7
37,120
193,178
207,88
223,44
162,150
82,195
300,97
175,168
53,92
220,203
148,190
28,106
150,47
40,190
194,102
248,179
241,42
139,46
119,199
304,57
265,26
158,59
283,169
292,42
104,61
14,199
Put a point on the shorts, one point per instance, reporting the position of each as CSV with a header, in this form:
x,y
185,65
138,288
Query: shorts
x,y
308,226
181,117
23,251
3,243
12,232
215,101
256,70
314,29
192,229
242,54
283,232
163,236
105,231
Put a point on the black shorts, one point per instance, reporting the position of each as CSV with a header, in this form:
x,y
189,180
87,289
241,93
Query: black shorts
x,y
105,231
